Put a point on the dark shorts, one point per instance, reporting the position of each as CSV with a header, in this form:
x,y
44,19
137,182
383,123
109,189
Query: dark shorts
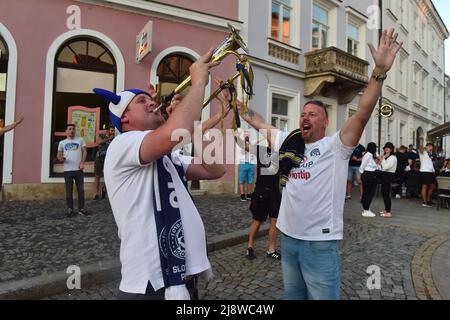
x,y
428,178
265,204
98,167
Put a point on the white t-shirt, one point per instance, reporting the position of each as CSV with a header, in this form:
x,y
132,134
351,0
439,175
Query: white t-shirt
x,y
426,164
130,189
246,157
312,204
368,164
389,164
72,150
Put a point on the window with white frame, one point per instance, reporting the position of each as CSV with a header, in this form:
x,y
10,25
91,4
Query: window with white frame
x,y
422,34
433,48
403,74
423,89
279,116
404,13
320,27
402,133
433,97
416,84
352,39
282,11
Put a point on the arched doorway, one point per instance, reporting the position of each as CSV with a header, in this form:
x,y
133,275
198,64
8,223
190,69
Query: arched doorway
x,y
4,57
172,70
81,64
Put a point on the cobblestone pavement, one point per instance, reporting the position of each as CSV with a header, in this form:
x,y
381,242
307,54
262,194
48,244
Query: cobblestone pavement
x,y
36,238
236,278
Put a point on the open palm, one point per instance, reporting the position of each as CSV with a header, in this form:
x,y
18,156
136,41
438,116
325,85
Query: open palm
x,y
384,55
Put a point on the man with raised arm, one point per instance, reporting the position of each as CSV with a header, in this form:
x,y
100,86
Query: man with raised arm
x,y
163,245
311,212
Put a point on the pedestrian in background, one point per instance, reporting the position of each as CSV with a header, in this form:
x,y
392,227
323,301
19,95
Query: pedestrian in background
x,y
369,169
104,142
388,167
72,151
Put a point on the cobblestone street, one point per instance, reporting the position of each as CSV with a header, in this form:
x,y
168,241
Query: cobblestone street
x,y
404,248
237,278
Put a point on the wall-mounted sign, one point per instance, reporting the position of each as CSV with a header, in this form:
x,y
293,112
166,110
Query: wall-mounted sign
x,y
144,42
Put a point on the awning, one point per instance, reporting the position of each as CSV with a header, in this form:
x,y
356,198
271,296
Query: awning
x,y
438,132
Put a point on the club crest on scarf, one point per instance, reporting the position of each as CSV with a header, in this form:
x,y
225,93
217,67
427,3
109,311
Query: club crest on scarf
x,y
168,221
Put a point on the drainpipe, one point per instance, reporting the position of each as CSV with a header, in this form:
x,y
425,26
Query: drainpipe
x,y
380,32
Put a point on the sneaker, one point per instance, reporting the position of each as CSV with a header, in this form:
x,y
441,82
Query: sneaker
x,y
431,203
249,196
250,255
274,255
348,197
368,214
426,204
83,212
70,212
243,197
397,196
97,197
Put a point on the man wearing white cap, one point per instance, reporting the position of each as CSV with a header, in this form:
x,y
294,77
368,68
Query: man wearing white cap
x,y
163,244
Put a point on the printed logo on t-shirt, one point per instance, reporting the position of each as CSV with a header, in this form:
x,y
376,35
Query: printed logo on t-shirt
x,y
303,171
71,146
315,152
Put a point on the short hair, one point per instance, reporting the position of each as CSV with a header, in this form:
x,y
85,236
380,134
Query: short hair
x,y
429,144
70,125
319,104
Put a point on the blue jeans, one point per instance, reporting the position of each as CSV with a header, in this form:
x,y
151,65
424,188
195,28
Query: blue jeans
x,y
310,269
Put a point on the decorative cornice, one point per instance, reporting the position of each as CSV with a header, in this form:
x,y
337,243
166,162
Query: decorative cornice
x,y
428,9
169,12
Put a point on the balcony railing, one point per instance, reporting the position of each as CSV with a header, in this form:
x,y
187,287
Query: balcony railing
x,y
333,70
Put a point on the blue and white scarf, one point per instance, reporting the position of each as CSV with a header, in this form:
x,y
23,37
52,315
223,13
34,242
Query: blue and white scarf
x,y
170,228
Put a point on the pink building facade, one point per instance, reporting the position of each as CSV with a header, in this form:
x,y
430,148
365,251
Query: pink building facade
x,y
56,51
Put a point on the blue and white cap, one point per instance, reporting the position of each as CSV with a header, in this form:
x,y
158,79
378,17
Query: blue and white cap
x,y
118,102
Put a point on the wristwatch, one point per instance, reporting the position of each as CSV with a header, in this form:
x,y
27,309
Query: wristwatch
x,y
379,77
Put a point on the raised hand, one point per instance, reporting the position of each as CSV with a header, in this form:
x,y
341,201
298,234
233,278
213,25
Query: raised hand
x,y
152,91
384,55
199,69
174,103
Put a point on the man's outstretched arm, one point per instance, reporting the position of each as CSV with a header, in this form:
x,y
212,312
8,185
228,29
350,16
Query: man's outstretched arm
x,y
383,57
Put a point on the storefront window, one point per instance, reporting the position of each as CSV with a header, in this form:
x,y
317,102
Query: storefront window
x,y
81,64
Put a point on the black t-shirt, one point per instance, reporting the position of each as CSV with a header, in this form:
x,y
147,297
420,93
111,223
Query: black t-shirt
x,y
358,152
264,180
412,155
402,163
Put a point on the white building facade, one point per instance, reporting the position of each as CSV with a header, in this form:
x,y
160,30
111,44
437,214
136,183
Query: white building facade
x,y
415,86
317,49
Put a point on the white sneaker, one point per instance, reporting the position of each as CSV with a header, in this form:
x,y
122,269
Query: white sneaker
x,y
397,196
368,214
